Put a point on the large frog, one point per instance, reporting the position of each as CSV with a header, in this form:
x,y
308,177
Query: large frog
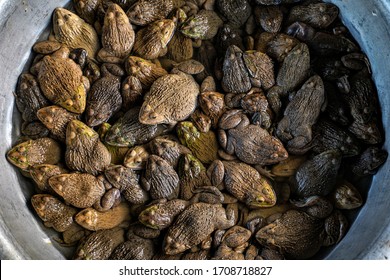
x,y
62,81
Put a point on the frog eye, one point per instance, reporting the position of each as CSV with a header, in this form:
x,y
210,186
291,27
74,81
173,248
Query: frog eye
x,y
153,116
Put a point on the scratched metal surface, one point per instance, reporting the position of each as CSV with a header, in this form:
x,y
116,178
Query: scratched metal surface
x,y
22,236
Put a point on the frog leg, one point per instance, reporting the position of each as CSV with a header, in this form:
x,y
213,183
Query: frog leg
x,y
226,218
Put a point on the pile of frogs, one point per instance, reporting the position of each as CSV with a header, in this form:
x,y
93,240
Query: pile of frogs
x,y
198,129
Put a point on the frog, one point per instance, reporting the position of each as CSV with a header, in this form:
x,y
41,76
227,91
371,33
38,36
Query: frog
x,y
136,157
117,36
169,149
134,248
81,190
236,236
295,128
56,119
295,234
87,9
144,12
346,196
94,220
204,146
56,214
250,143
99,244
171,98
193,176
236,12
224,252
128,131
318,15
203,25
144,70
160,179
243,182
335,227
28,153
269,18
369,161
41,173
194,225
211,102
127,182
160,214
151,41
293,72
316,206
74,32
29,97
84,150
62,82
318,175
104,98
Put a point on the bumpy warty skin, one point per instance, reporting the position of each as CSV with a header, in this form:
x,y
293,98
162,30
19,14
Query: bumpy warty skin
x,y
171,98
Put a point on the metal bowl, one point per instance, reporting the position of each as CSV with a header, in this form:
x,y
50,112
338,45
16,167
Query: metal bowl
x,y
22,235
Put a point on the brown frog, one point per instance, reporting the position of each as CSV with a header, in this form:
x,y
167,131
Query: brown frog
x,y
369,161
73,31
56,119
204,25
171,98
317,176
34,152
29,98
41,174
104,98
144,12
295,234
127,182
194,225
295,128
244,183
100,244
161,214
168,149
94,220
160,179
250,143
136,157
117,35
151,41
84,150
346,196
62,81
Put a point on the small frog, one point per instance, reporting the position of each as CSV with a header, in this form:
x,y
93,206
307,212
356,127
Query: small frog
x,y
369,161
117,36
204,25
168,149
41,174
194,225
34,152
250,143
295,128
204,146
134,248
62,81
128,131
336,226
136,157
244,183
192,174
127,182
151,41
94,220
346,196
161,214
144,70
160,179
